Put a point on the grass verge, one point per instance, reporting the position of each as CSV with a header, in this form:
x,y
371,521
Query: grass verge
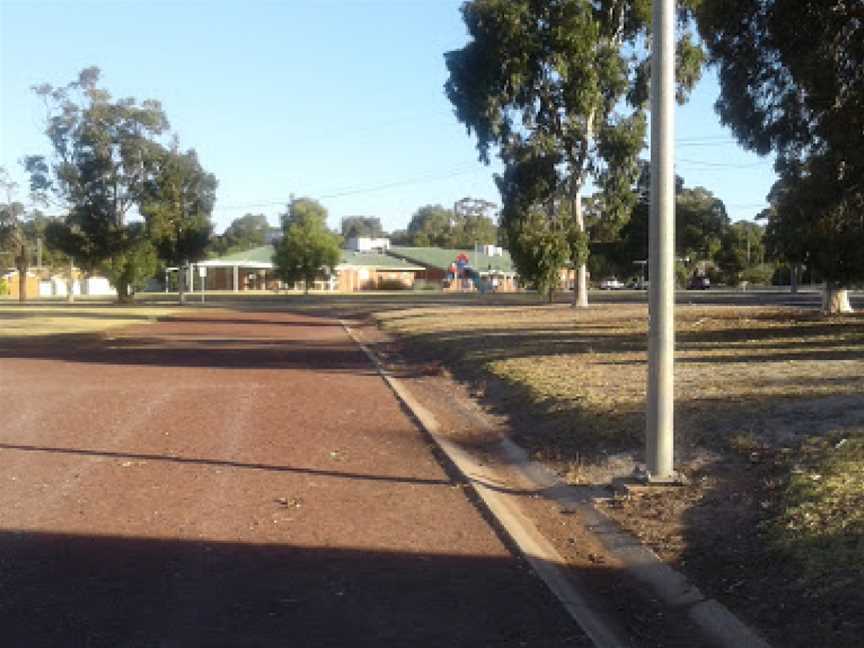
x,y
769,426
29,321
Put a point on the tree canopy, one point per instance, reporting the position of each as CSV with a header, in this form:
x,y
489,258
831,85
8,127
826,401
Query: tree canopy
x,y
307,249
103,153
244,233
559,87
177,202
357,226
470,222
799,92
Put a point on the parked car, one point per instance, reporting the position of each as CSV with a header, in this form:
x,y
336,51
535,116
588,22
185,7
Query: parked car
x,y
699,283
612,283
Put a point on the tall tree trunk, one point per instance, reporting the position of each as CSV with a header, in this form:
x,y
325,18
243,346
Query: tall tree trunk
x,y
181,286
70,284
22,265
123,295
793,278
22,285
580,286
835,300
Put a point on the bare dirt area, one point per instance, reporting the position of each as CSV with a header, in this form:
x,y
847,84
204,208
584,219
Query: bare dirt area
x,y
239,479
769,429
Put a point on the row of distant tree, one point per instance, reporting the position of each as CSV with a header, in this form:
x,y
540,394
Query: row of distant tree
x,y
470,221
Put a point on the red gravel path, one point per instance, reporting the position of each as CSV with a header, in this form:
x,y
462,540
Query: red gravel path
x,y
239,480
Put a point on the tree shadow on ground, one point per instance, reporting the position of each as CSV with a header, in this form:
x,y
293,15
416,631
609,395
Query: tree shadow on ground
x,y
728,546
95,591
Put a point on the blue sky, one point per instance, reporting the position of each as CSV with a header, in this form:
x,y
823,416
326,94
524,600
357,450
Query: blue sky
x,y
341,101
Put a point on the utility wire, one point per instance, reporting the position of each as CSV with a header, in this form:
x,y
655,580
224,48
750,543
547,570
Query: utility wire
x,y
353,192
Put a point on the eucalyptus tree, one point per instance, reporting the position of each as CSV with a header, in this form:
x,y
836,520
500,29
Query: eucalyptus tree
x,y
177,203
792,82
103,153
561,85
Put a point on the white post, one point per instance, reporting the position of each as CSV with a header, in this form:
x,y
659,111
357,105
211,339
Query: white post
x,y
661,297
235,278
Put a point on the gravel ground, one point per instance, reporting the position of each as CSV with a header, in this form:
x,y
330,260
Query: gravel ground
x,y
239,480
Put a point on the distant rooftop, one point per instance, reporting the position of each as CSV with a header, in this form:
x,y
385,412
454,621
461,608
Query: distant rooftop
x,y
257,255
442,258
374,260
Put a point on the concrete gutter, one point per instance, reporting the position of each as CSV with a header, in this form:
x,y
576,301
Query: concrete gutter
x,y
717,623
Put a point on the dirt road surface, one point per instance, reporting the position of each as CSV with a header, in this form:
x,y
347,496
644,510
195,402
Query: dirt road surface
x,y
239,480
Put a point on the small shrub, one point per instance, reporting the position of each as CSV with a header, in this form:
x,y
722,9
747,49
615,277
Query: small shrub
x,y
4,287
759,275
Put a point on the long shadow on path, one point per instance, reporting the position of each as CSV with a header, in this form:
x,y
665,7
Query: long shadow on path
x,y
95,591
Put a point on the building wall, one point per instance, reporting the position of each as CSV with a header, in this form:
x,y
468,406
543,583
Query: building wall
x,y
360,278
32,284
248,279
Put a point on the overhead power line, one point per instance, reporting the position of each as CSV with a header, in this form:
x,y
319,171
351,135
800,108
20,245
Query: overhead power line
x,y
724,165
353,192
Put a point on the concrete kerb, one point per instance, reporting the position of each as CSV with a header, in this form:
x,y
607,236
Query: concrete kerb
x,y
720,625
547,563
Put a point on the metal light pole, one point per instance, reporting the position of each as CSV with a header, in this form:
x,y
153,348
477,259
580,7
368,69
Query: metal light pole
x,y
661,296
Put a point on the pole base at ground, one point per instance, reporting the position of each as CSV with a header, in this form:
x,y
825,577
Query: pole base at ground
x,y
643,477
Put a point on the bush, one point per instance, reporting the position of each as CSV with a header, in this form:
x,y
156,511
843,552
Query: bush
x,y
682,275
4,287
758,275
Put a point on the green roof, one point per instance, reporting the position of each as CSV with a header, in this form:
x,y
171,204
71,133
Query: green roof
x,y
262,254
442,258
375,260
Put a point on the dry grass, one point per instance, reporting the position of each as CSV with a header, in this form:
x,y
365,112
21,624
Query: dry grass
x,y
39,320
750,383
590,366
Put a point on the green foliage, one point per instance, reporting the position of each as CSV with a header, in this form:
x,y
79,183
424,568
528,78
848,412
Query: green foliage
x,y
801,230
682,274
244,233
130,269
436,226
307,249
799,93
357,226
474,222
431,225
700,223
539,250
577,242
401,237
177,203
821,521
760,274
4,287
104,153
731,258
37,228
545,83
